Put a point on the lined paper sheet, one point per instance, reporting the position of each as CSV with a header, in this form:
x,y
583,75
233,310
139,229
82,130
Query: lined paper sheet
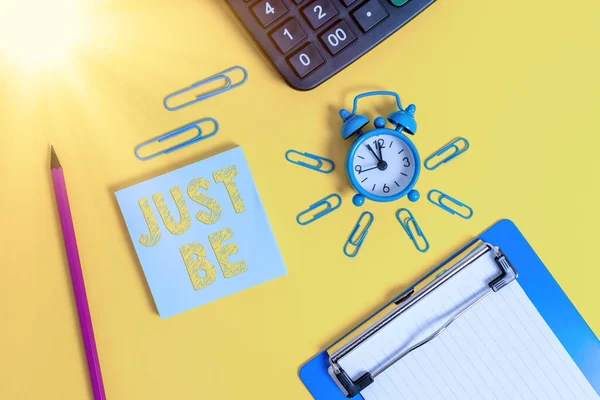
x,y
499,349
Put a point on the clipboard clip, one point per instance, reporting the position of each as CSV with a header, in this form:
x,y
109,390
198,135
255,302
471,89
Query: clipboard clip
x,y
367,330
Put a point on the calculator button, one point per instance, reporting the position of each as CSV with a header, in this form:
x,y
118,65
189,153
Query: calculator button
x,y
306,60
370,14
297,1
288,35
319,12
337,38
348,2
268,11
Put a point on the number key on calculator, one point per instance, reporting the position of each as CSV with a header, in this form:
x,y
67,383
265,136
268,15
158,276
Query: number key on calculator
x,y
309,41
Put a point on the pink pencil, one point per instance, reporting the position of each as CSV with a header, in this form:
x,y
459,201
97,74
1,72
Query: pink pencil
x,y
85,319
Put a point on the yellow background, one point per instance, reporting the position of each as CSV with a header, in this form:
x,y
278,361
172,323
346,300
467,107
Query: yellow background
x,y
518,79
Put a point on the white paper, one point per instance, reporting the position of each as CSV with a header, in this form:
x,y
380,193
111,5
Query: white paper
x,y
499,349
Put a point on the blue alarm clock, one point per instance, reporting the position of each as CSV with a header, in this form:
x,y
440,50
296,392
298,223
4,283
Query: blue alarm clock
x,y
383,164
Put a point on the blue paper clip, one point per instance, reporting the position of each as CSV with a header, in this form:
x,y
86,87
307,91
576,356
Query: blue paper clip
x,y
440,203
229,85
324,202
450,146
358,243
409,232
194,125
320,161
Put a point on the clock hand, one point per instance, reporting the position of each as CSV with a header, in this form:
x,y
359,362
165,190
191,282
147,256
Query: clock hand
x,y
372,152
380,155
365,170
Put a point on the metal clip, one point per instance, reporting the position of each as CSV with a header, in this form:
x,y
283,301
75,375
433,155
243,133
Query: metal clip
x,y
409,232
450,146
440,203
358,243
194,125
229,85
320,161
324,202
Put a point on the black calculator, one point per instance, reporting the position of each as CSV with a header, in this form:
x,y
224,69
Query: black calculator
x,y
309,41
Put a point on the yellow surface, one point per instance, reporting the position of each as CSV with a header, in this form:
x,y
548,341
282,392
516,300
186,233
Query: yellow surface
x,y
520,81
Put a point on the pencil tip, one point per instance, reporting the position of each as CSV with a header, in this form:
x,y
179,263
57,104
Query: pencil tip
x,y
54,163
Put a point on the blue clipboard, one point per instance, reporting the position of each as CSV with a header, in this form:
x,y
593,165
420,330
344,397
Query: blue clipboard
x,y
541,288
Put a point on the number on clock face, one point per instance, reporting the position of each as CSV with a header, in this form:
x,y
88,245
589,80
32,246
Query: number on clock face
x,y
383,165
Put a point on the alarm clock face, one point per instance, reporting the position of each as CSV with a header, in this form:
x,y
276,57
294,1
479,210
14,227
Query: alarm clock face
x,y
384,164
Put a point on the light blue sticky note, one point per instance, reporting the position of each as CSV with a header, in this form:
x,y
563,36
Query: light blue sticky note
x,y
181,276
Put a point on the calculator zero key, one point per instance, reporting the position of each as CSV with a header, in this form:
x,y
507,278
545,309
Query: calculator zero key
x,y
334,33
306,60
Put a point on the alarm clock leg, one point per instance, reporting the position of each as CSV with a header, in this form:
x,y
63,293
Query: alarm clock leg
x,y
358,200
414,195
